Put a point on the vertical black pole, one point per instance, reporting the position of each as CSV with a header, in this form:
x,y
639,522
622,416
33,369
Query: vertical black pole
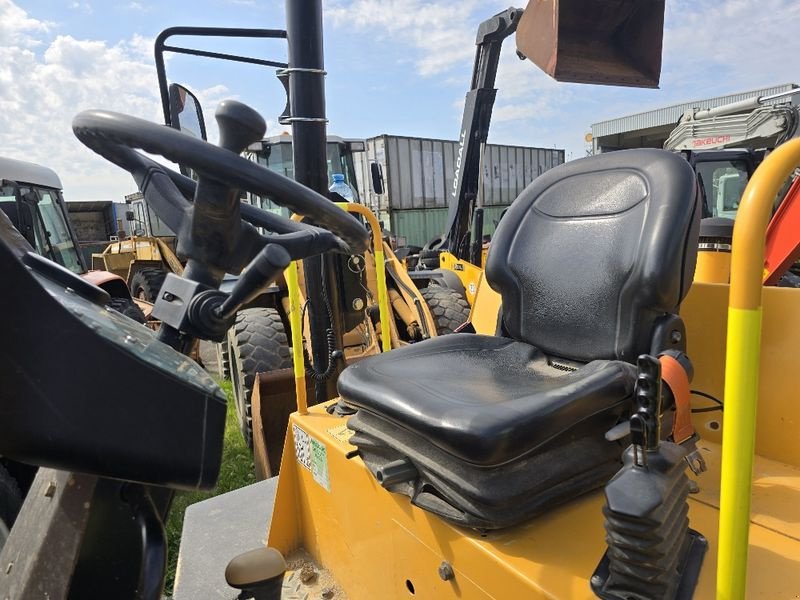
x,y
309,137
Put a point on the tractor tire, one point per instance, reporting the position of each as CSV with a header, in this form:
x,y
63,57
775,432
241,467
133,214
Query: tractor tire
x,y
127,307
146,283
449,308
257,343
10,503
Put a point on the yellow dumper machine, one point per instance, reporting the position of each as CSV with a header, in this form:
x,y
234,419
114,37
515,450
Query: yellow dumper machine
x,y
469,467
545,457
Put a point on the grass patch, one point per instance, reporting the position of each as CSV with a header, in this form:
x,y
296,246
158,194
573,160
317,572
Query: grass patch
x,y
236,471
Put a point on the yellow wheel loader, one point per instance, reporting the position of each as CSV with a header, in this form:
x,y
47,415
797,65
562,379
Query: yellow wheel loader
x,y
380,306
142,261
548,459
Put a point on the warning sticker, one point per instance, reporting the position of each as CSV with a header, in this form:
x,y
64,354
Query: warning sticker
x,y
302,446
341,433
319,464
313,455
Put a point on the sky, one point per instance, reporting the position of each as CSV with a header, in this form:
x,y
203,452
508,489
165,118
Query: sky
x,y
399,67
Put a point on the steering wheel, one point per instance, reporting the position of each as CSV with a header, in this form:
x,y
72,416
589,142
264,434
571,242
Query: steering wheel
x,y
222,172
210,229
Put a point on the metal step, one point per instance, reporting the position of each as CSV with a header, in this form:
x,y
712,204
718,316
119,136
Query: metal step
x,y
216,530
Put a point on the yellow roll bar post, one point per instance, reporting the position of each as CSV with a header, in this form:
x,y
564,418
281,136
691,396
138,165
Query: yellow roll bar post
x,y
380,268
296,324
295,317
742,366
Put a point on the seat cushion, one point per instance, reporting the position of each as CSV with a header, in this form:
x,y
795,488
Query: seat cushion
x,y
483,399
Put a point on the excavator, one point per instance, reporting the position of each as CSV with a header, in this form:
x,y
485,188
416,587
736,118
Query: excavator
x,y
725,144
550,462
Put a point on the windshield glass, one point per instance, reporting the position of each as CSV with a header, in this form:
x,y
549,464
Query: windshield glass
x,y
8,203
53,229
723,182
279,158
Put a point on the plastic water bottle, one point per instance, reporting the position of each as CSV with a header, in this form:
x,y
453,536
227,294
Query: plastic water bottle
x,y
340,187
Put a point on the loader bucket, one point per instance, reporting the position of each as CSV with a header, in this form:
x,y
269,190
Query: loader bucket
x,y
606,42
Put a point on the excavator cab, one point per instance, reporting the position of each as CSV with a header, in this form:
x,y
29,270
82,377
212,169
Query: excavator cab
x,y
31,197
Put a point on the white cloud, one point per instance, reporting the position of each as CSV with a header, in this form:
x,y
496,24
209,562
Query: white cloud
x,y
42,90
441,35
137,6
736,44
46,92
83,7
16,27
441,42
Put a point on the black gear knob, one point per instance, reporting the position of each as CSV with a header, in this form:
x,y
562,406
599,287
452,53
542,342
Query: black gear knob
x,y
239,125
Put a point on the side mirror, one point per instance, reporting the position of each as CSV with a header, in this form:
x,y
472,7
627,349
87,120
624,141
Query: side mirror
x,y
607,42
129,216
376,175
185,113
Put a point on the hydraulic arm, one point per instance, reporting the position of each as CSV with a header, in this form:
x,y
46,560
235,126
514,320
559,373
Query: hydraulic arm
x,y
474,131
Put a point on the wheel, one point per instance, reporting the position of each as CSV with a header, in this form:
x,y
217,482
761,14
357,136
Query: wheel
x,y
146,283
223,359
10,503
127,307
257,344
449,308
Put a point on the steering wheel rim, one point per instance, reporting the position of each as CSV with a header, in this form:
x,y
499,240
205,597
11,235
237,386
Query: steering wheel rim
x,y
99,129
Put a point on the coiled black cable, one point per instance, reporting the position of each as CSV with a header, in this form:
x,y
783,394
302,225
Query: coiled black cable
x,y
333,353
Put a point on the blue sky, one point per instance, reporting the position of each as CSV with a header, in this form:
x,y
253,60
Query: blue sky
x,y
394,66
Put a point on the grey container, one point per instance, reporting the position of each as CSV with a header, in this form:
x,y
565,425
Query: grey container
x,y
418,176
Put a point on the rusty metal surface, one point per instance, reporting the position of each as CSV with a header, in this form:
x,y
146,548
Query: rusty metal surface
x,y
607,42
272,402
40,554
98,278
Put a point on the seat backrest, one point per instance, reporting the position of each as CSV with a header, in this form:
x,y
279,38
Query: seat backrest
x,y
592,252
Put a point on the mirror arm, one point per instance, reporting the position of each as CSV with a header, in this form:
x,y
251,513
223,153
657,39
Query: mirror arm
x,y
160,47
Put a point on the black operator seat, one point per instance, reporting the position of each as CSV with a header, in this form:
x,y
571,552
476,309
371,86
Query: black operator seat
x,y
592,262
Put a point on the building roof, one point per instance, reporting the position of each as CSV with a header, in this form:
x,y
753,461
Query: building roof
x,y
670,115
28,172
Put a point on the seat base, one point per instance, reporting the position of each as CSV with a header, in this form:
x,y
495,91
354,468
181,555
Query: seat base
x,y
490,498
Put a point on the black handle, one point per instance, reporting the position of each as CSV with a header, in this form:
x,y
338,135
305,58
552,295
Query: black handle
x,y
262,270
239,126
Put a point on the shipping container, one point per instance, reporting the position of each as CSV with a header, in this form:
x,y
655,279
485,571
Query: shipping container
x,y
418,178
97,221
416,227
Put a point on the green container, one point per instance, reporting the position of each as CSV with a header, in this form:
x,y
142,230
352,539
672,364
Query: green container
x,y
420,226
